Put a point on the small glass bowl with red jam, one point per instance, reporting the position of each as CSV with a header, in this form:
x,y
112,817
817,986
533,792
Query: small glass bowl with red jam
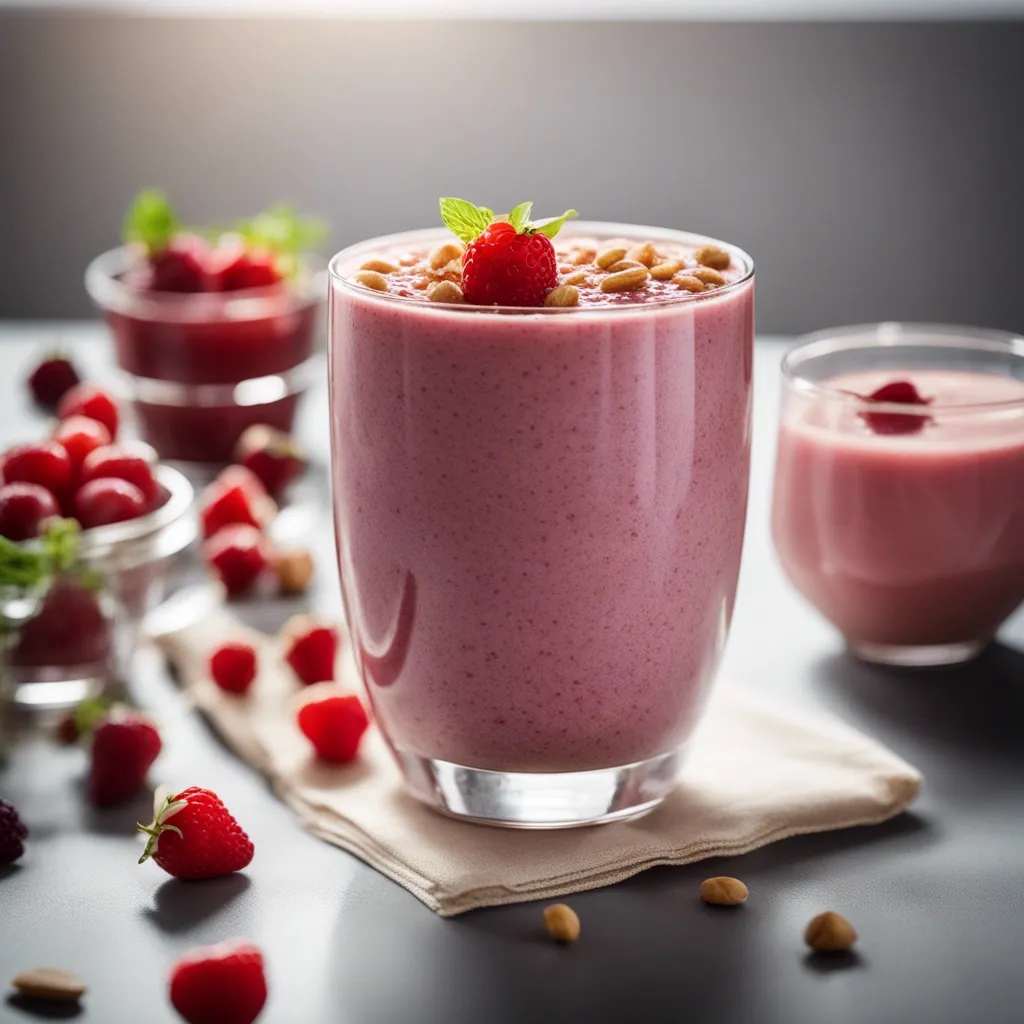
x,y
211,336
71,634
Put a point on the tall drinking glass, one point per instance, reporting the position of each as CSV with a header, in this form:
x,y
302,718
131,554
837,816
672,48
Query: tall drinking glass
x,y
539,516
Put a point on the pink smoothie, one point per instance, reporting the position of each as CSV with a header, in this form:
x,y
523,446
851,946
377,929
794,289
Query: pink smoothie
x,y
540,518
911,539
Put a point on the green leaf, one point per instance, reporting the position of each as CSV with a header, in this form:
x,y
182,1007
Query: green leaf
x,y
552,225
520,217
281,231
464,220
90,712
150,220
25,568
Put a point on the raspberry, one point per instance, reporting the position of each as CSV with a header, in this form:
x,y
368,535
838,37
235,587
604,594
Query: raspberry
x,y
897,392
334,726
52,379
118,463
12,834
81,435
108,500
237,555
23,510
92,401
233,667
504,268
124,746
222,984
310,648
45,463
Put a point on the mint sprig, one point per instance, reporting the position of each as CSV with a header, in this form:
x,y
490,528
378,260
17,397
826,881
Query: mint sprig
x,y
467,221
150,221
24,568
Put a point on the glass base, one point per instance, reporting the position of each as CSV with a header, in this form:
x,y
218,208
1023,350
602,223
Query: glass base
x,y
540,800
929,656
61,694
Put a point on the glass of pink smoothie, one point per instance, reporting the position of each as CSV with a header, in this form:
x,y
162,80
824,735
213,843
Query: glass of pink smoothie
x,y
903,521
199,368
539,516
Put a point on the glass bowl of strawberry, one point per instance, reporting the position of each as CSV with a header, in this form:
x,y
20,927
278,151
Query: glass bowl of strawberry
x,y
213,331
86,549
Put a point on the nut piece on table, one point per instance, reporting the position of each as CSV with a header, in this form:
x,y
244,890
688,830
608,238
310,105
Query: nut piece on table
x,y
49,983
561,922
294,570
724,891
830,933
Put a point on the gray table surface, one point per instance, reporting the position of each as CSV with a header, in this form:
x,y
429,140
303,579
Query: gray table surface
x,y
936,895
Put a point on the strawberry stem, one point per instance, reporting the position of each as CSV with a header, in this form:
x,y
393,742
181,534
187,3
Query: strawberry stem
x,y
159,825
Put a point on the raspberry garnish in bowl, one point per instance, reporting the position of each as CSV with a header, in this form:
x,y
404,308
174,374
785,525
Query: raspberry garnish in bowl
x,y
507,262
897,392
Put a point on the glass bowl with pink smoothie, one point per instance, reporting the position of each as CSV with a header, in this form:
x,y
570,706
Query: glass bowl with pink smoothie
x,y
539,515
899,486
200,368
73,636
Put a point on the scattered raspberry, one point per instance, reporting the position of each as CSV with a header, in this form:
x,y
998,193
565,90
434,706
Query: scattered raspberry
x,y
274,456
233,667
92,401
52,379
235,268
115,462
80,435
310,649
222,506
107,500
24,508
237,555
194,836
12,834
223,984
899,392
124,746
334,726
44,462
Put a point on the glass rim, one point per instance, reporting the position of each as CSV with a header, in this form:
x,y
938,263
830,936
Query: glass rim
x,y
890,334
108,292
608,229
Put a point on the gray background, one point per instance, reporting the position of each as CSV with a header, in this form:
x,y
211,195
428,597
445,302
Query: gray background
x,y
873,170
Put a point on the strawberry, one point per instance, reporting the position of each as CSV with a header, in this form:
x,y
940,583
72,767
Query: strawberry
x,y
310,649
334,726
124,746
235,268
237,555
44,462
274,456
233,667
222,984
12,834
52,378
23,510
120,463
507,262
108,500
193,835
181,265
80,435
92,401
897,392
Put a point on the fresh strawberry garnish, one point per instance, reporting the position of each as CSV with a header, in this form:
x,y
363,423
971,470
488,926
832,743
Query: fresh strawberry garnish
x,y
80,435
507,262
193,835
223,984
92,401
237,554
897,392
116,462
310,648
272,455
12,834
124,745
23,510
52,379
181,266
108,500
46,463
233,267
334,725
233,667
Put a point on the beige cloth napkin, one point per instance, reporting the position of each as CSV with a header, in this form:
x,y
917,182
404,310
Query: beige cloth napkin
x,y
756,774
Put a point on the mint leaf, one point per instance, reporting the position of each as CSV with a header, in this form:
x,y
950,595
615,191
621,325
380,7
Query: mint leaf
x,y
281,231
464,220
150,220
25,568
552,225
520,216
